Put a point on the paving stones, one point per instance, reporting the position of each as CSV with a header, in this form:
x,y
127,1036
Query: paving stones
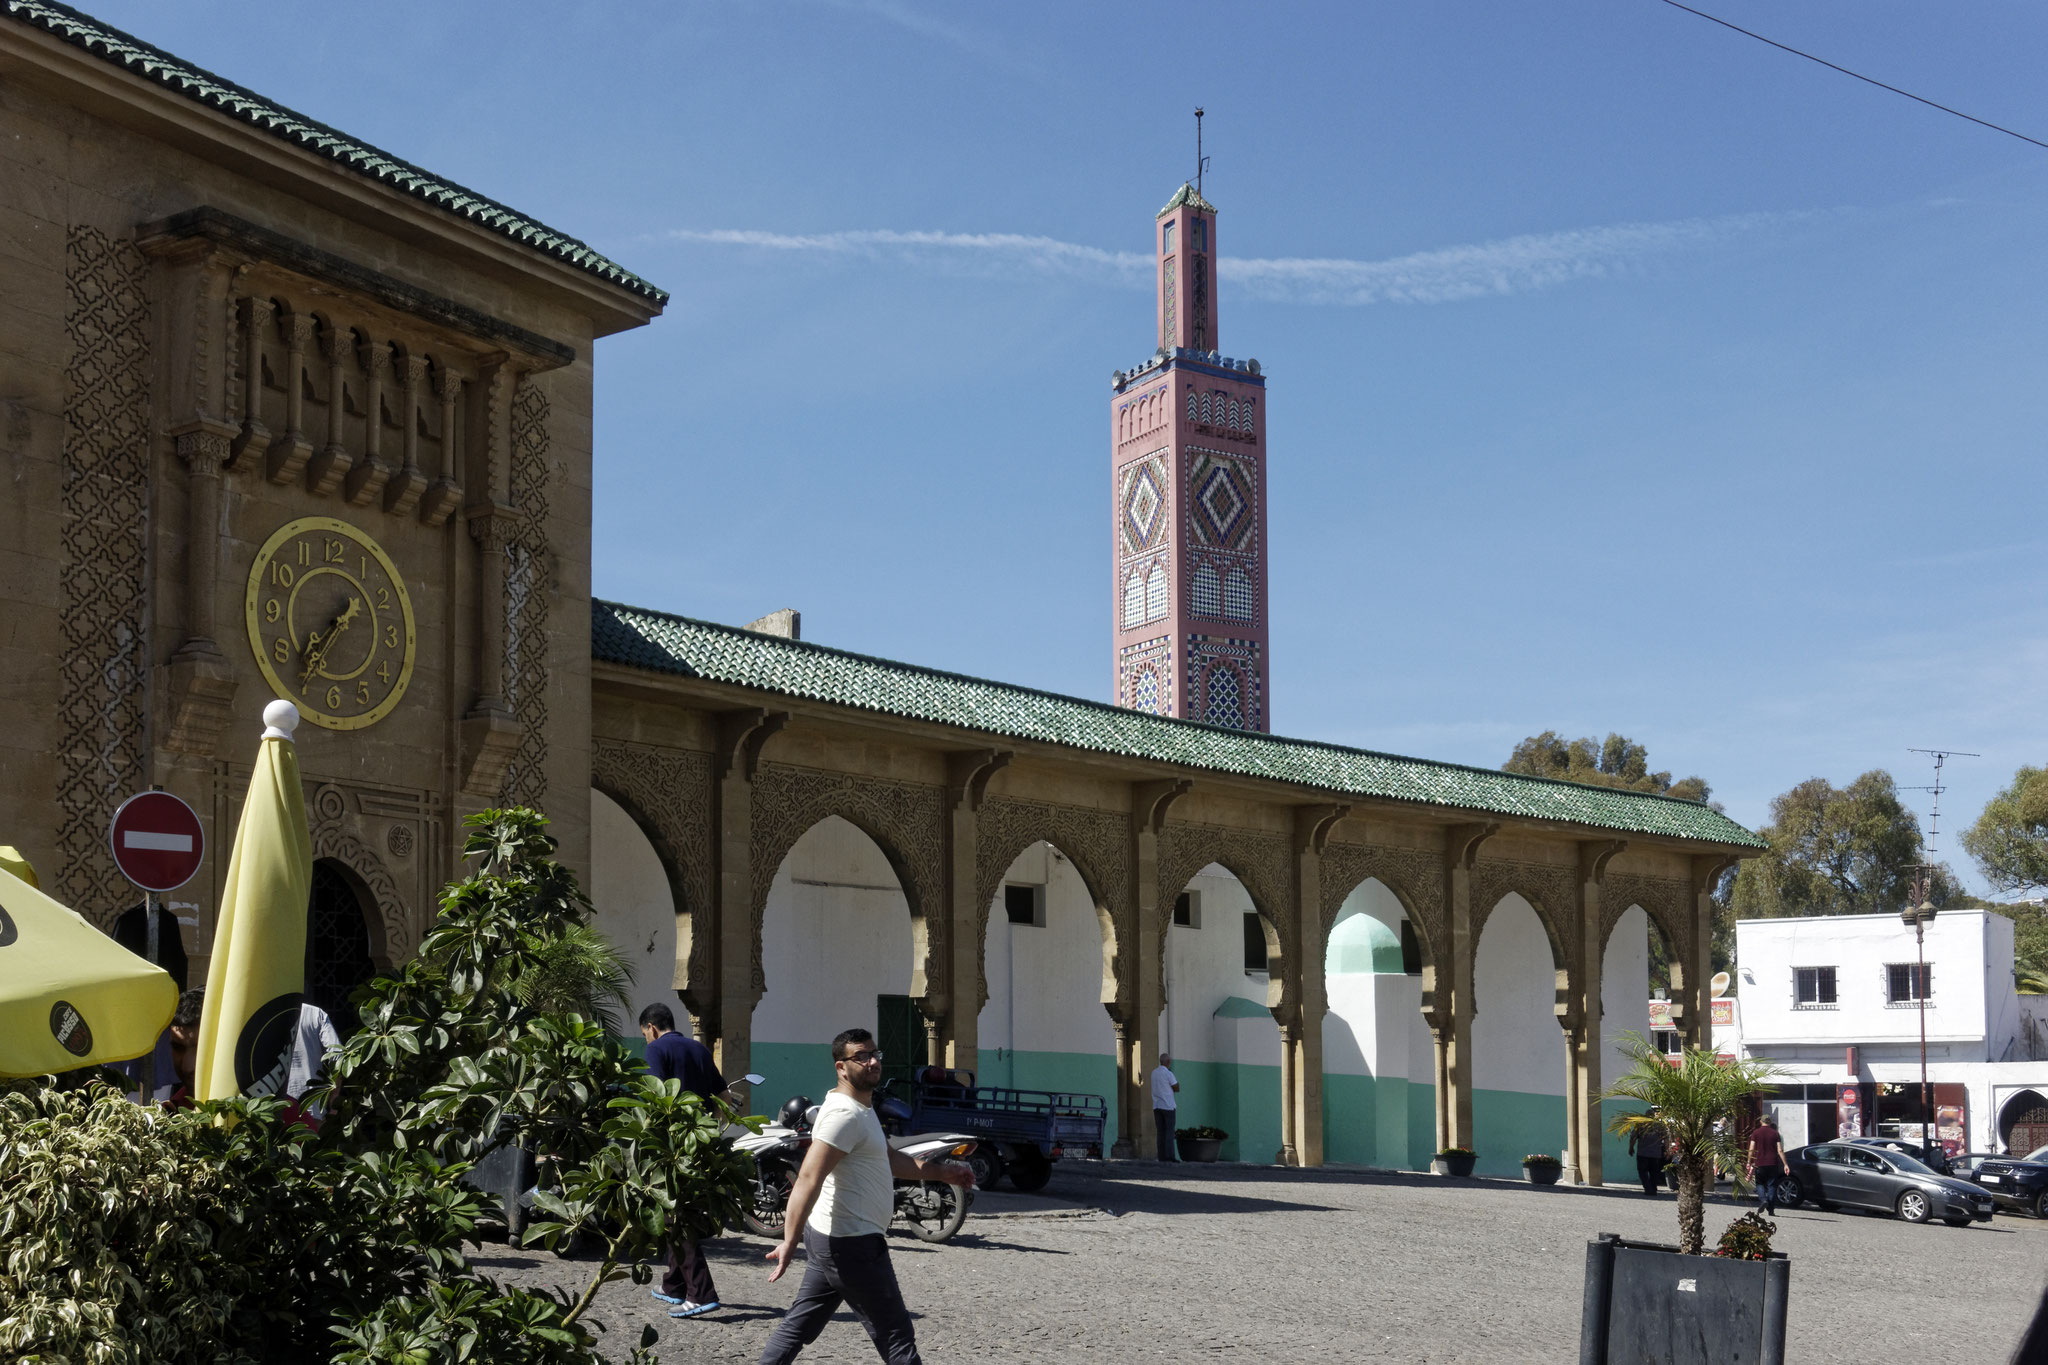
x,y
1156,1263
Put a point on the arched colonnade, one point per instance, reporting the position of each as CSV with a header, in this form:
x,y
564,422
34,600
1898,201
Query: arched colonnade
x,y
723,824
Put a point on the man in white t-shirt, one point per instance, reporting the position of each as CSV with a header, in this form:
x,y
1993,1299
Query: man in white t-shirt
x,y
842,1202
1164,1106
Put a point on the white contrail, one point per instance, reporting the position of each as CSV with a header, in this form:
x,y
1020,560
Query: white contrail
x,y
1512,265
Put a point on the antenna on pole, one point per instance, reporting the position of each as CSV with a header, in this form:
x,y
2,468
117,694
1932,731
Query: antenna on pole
x,y
1940,756
1201,162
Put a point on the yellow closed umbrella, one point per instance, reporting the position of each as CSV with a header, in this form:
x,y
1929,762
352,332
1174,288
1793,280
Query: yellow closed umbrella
x,y
69,995
257,977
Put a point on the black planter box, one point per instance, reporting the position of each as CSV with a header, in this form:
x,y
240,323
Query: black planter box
x,y
1646,1302
506,1173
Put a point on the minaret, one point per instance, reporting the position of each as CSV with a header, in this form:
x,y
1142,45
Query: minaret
x,y
1187,451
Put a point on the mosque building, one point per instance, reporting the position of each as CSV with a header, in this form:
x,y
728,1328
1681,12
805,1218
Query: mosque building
x,y
286,415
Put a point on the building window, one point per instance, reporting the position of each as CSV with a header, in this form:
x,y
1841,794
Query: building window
x,y
1155,593
1166,238
1411,950
1187,910
1205,592
1134,601
1237,596
1908,983
1254,942
1198,233
1813,988
1025,905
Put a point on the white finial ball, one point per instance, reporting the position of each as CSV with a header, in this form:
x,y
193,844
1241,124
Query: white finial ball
x,y
280,718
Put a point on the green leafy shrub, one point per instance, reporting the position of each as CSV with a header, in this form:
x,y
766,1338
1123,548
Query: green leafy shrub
x,y
222,1233
1541,1159
1203,1131
1457,1151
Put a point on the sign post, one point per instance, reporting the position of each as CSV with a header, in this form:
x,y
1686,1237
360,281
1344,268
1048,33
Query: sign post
x,y
158,844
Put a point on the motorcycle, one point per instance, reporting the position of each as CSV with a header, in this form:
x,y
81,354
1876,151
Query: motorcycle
x,y
933,1209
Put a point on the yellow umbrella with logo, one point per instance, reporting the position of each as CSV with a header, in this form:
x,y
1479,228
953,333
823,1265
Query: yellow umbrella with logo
x,y
257,976
69,996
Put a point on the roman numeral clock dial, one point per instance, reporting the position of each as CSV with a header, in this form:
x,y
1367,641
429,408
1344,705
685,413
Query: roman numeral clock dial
x,y
330,622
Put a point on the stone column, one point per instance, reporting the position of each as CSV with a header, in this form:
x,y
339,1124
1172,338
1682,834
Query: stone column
x,y
1695,965
402,491
327,469
1312,828
446,493
741,734
956,1042
366,477
1139,978
253,439
287,459
1587,958
1441,1056
1461,851
1290,1056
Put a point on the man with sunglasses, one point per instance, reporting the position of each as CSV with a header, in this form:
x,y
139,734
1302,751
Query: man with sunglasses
x,y
841,1205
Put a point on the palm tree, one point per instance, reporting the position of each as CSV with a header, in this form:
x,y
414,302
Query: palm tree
x,y
576,971
1696,1102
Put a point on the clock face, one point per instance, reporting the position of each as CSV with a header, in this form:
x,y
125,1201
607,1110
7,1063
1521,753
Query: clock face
x,y
330,622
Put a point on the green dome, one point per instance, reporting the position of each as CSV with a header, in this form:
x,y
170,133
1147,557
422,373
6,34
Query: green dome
x,y
1361,945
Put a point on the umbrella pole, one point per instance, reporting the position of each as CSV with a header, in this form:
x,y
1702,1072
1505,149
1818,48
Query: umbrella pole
x,y
156,959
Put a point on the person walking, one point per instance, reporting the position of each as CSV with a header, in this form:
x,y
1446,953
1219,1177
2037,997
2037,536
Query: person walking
x,y
841,1204
673,1057
1648,1145
1766,1163
1165,1108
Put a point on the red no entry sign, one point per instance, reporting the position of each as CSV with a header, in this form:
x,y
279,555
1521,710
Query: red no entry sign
x,y
157,841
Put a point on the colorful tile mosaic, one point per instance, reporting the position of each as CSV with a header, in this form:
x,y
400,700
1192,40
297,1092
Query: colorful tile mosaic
x,y
1222,512
1209,659
1142,498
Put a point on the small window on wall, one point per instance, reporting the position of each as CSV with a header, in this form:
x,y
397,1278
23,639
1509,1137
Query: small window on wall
x,y
1198,233
1908,983
1254,942
1411,950
1025,905
1187,911
1813,988
1166,239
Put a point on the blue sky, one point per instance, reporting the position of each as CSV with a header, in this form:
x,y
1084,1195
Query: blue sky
x,y
1624,373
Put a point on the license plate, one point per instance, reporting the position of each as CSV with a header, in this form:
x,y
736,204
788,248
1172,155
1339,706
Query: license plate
x,y
1988,1179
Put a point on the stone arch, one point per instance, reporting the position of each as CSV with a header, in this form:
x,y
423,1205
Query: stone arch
x,y
667,793
1415,876
344,941
393,934
1551,891
905,820
1096,843
1664,900
1262,864
628,906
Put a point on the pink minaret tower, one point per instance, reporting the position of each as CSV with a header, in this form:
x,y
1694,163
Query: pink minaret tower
x,y
1188,451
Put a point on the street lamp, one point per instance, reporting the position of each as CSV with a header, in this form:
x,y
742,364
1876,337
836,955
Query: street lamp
x,y
1920,916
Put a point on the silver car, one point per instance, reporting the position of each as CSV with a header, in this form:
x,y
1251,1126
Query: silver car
x,y
1851,1175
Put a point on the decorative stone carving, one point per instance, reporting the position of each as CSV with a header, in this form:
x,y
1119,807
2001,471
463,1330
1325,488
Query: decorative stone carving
x,y
395,923
1552,891
668,794
905,819
529,588
1666,900
1263,864
1097,842
1414,875
399,841
104,678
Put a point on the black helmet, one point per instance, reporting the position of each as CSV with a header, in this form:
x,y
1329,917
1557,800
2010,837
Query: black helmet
x,y
793,1110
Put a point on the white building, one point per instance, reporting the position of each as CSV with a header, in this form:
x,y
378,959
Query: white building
x,y
1836,1002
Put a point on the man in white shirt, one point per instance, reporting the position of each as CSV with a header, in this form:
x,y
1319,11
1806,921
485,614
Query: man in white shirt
x,y
1164,1106
842,1202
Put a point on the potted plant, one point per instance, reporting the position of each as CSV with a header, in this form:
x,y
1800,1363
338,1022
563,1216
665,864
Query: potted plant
x,y
1542,1168
1647,1301
1201,1143
1454,1161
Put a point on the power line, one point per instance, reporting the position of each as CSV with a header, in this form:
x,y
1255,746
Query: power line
x,y
1868,80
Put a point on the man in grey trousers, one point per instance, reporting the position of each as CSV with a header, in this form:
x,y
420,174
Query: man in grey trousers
x,y
841,1205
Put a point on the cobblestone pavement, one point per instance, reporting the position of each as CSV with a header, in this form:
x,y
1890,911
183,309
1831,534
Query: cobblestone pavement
x,y
1158,1263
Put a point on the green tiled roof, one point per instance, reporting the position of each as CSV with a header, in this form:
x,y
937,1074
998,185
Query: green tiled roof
x,y
661,643
1186,194
153,63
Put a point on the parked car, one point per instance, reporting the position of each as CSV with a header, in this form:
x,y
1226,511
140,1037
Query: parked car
x,y
1938,1162
2016,1182
1854,1175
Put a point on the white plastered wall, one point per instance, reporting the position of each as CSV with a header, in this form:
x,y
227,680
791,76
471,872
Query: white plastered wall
x,y
1204,966
634,907
1516,1042
1624,989
1373,1015
1044,984
836,935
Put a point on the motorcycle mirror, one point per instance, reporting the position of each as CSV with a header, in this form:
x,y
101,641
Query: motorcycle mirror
x,y
753,1079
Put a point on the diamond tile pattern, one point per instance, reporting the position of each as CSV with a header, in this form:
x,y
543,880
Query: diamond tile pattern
x,y
153,63
661,643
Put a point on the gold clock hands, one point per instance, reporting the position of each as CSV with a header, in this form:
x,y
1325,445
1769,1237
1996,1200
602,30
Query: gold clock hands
x,y
317,644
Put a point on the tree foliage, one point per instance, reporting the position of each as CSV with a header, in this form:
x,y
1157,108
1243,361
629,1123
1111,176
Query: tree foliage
x,y
1617,762
1851,850
227,1233
1696,1104
2010,839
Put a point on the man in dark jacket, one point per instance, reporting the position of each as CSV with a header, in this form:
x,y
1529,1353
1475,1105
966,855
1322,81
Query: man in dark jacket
x,y
1647,1145
673,1056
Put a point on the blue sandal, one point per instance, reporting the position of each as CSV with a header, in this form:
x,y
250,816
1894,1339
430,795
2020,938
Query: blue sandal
x,y
665,1298
694,1310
